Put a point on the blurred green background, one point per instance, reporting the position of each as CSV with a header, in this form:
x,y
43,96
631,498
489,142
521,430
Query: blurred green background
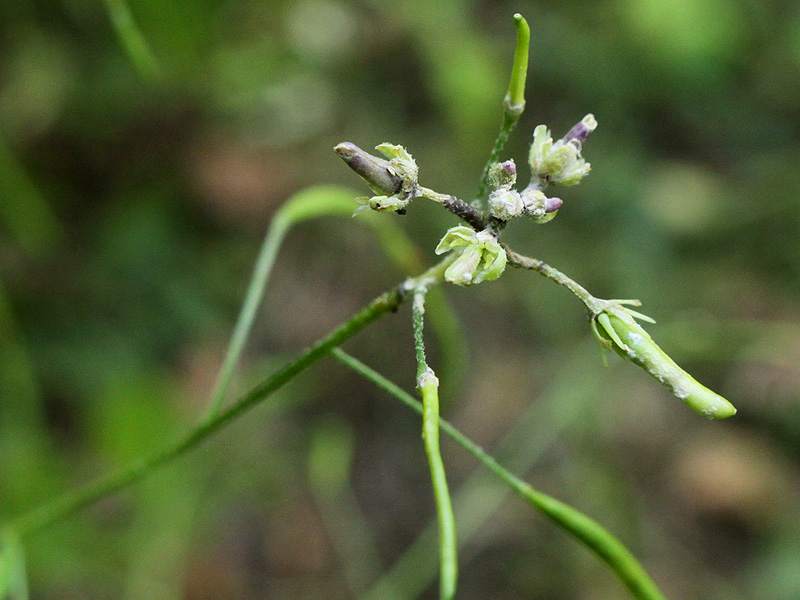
x,y
139,172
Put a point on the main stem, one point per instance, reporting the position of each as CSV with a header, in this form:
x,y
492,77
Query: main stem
x,y
255,292
63,506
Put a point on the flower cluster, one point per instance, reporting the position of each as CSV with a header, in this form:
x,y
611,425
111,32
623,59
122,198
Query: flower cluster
x,y
394,179
505,203
480,255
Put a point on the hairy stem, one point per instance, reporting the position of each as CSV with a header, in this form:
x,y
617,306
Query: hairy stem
x,y
534,264
471,215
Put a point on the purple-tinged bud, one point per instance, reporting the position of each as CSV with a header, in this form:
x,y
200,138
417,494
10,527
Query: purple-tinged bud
x,y
503,175
552,205
510,167
538,206
378,174
581,131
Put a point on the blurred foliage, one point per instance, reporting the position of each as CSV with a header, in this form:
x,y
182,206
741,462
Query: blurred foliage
x,y
141,156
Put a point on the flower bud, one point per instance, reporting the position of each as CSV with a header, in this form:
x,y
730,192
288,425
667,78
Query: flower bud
x,y
503,174
504,202
380,203
581,130
620,331
538,206
394,180
374,171
481,256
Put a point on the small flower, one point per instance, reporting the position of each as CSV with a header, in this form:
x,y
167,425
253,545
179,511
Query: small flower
x,y
618,330
505,203
560,163
481,256
394,180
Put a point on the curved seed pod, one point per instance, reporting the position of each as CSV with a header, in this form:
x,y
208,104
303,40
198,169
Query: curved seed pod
x,y
631,341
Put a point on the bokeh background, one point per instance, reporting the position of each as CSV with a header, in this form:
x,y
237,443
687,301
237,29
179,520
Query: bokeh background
x,y
136,182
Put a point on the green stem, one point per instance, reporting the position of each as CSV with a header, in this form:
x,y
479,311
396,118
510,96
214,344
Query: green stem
x,y
132,39
586,530
255,292
514,101
71,502
428,385
534,264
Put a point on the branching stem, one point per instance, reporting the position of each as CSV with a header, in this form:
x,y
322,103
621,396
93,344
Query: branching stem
x,y
607,547
471,215
51,512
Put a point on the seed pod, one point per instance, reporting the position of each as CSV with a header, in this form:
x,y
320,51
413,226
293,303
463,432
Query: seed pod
x,y
621,331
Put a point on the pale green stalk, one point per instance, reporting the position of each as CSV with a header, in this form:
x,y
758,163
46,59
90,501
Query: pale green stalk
x,y
589,532
132,39
514,102
13,581
255,293
553,274
478,498
428,385
307,204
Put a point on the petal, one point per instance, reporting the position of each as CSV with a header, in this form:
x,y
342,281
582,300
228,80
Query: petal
x,y
462,271
454,237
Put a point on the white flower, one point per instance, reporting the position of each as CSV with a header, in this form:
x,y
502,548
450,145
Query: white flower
x,y
481,256
560,163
